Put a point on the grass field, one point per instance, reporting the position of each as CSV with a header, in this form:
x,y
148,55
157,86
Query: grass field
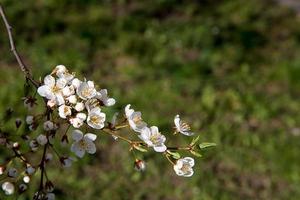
x,y
231,68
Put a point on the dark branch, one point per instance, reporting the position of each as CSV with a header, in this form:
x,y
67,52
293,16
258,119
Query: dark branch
x,y
13,49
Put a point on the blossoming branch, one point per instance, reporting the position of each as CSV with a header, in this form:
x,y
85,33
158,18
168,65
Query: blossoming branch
x,y
74,115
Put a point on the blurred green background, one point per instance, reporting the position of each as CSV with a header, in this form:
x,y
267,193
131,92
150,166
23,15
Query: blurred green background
x,y
231,68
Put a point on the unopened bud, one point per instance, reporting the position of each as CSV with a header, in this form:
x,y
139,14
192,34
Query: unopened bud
x,y
64,140
22,188
48,157
139,165
2,169
49,186
12,172
16,145
18,122
26,179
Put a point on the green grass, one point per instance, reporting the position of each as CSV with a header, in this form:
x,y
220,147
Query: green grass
x,y
231,68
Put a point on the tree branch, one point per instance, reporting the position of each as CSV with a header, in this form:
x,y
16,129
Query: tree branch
x,y
13,49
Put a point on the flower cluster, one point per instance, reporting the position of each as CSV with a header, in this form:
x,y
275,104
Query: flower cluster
x,y
74,112
78,101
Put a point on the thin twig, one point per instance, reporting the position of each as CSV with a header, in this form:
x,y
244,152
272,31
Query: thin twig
x,y
13,49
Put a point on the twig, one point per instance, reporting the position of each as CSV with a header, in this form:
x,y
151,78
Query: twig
x,y
13,49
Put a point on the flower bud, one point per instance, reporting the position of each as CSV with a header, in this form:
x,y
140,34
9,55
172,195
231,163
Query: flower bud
x,y
66,161
79,106
33,145
51,103
2,169
49,186
29,119
8,188
16,145
72,99
18,122
50,196
30,170
22,188
29,102
49,126
48,157
26,179
64,140
42,139
12,172
139,165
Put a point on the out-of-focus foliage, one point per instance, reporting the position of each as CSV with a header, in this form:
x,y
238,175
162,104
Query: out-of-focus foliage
x,y
232,68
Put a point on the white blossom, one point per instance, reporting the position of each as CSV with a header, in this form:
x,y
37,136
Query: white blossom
x,y
96,118
42,140
134,119
86,90
184,167
83,143
12,172
153,138
8,188
49,126
64,111
29,119
102,96
52,89
182,127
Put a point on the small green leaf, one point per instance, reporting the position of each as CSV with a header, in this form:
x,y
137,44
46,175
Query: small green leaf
x,y
175,155
139,148
195,153
206,145
195,140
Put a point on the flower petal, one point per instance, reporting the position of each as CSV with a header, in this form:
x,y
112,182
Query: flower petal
x,y
91,148
177,122
90,136
77,135
154,130
49,80
44,90
110,102
190,161
161,148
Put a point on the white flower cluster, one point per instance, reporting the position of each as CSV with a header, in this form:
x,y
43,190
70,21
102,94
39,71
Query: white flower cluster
x,y
153,138
77,101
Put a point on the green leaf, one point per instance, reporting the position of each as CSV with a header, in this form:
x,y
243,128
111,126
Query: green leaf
x,y
139,148
175,155
195,140
195,153
206,145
